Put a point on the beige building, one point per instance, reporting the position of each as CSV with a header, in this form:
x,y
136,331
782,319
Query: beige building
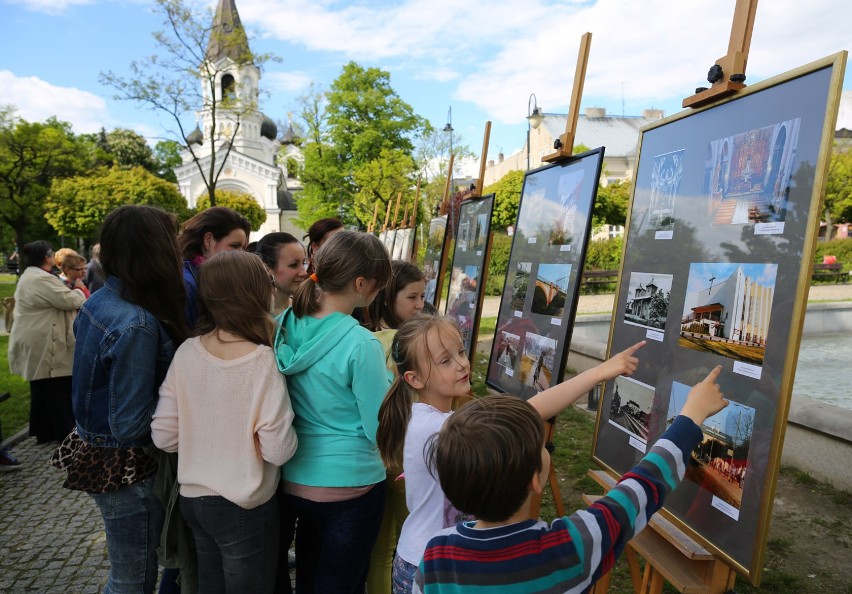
x,y
619,134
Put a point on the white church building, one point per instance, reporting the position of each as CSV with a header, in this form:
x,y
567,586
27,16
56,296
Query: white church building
x,y
250,166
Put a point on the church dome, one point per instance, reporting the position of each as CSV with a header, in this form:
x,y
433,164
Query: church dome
x,y
289,136
268,129
195,137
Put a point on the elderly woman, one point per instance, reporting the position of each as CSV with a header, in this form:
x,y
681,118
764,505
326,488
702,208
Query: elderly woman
x,y
41,346
74,269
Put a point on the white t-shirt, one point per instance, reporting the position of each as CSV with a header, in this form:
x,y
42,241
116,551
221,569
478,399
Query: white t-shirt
x,y
429,510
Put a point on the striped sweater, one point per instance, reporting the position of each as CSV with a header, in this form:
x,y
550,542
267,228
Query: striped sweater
x,y
570,554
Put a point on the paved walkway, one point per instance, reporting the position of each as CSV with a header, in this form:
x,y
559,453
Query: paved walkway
x,y
51,539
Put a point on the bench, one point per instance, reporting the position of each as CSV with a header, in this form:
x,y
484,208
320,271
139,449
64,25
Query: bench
x,y
599,277
833,270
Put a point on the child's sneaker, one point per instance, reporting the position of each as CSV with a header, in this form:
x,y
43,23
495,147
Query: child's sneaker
x,y
8,462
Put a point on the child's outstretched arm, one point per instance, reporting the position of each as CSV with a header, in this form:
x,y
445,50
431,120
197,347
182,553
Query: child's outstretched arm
x,y
628,507
553,401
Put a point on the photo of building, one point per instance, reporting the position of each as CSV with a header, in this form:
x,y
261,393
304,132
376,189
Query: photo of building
x,y
630,407
727,309
648,297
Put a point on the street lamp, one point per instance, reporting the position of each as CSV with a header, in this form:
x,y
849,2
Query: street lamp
x,y
448,129
534,119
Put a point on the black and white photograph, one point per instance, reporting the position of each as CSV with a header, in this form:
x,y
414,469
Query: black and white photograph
x,y
648,298
538,361
666,174
520,284
630,406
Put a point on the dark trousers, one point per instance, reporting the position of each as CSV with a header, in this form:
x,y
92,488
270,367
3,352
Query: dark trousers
x,y
334,540
51,417
237,548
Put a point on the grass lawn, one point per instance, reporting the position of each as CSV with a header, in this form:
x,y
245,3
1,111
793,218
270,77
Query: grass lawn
x,y
15,412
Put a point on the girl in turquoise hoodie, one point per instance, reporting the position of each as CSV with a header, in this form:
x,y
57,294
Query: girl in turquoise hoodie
x,y
337,379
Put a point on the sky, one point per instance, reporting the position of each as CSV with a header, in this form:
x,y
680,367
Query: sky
x,y
481,58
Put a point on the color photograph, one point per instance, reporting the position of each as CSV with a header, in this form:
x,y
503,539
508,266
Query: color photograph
x,y
538,361
569,194
648,297
746,176
727,309
719,464
630,407
520,285
461,301
508,348
666,174
551,289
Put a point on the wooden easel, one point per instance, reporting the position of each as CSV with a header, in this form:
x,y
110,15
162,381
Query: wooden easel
x,y
564,149
445,210
670,554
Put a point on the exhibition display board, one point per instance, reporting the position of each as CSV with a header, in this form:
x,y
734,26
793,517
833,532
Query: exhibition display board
x,y
468,273
545,268
435,246
715,271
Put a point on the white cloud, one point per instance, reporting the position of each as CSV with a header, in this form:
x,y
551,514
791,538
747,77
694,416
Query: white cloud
x,y
37,100
287,81
649,53
49,6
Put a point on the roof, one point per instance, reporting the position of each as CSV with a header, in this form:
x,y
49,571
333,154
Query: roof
x,y
227,37
619,134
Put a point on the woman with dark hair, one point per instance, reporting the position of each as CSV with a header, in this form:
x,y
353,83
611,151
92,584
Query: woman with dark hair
x,y
127,334
41,345
214,230
285,257
318,234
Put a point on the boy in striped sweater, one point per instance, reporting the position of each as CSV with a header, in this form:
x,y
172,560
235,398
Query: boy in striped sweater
x,y
491,461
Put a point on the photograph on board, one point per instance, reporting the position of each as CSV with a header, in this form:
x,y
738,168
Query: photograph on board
x,y
727,309
538,362
519,286
719,464
461,301
648,296
666,173
551,289
747,175
630,407
508,349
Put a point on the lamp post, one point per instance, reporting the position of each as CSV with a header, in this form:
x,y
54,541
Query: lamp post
x,y
448,129
534,119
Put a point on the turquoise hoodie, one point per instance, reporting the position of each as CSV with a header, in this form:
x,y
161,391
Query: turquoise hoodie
x,y
337,380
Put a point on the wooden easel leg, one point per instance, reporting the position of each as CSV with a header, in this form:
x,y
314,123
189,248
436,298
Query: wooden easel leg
x,y
633,567
554,481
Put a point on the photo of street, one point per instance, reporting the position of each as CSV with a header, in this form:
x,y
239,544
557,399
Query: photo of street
x,y
538,361
630,407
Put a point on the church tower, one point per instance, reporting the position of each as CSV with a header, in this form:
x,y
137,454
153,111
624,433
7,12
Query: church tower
x,y
229,118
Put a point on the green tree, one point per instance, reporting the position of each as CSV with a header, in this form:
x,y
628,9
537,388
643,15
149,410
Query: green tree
x,y
77,206
242,202
166,158
32,155
381,180
183,77
354,123
611,204
838,189
507,197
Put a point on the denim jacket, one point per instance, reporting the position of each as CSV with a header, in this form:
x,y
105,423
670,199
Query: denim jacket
x,y
121,358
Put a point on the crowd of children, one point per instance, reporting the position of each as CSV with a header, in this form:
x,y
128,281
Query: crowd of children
x,y
346,422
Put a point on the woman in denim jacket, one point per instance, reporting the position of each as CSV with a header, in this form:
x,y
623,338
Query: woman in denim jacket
x,y
127,334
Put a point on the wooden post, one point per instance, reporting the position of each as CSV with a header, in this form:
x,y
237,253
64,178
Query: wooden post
x,y
566,148
387,217
396,210
484,156
727,76
404,217
413,221
375,214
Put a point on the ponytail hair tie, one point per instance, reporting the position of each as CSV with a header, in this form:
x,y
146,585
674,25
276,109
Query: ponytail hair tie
x,y
313,277
395,351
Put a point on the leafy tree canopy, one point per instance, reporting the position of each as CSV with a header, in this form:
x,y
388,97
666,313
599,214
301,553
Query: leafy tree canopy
x,y
77,206
242,202
838,188
611,205
32,155
507,197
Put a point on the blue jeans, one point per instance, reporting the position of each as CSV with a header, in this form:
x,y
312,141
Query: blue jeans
x,y
133,519
334,540
237,548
